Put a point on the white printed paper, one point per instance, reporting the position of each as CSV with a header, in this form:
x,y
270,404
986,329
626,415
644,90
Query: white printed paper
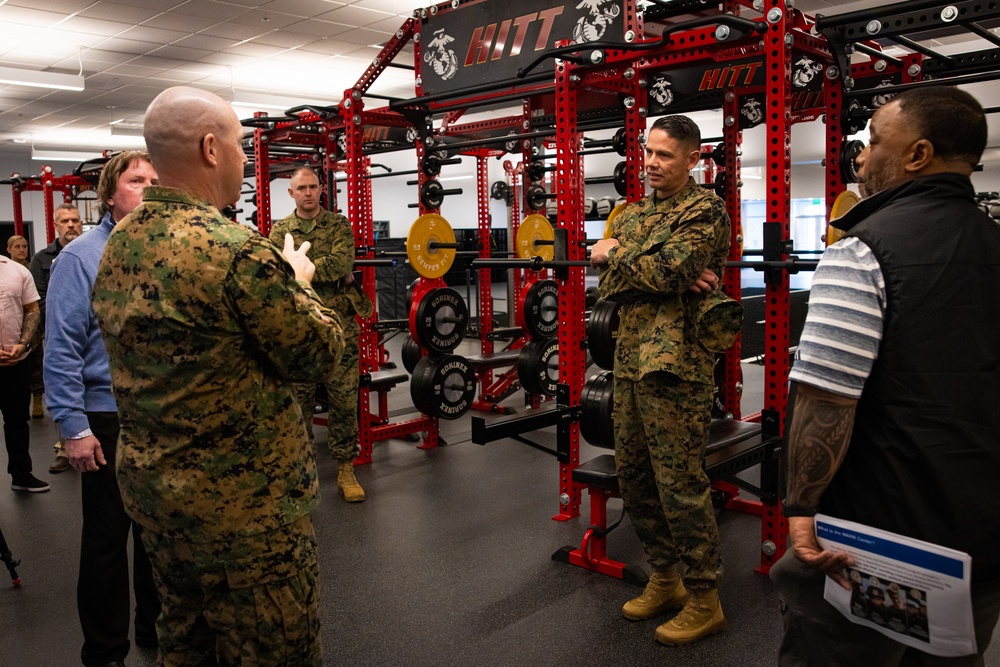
x,y
912,591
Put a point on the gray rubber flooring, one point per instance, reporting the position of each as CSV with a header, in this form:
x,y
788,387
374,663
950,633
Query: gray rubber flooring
x,y
448,562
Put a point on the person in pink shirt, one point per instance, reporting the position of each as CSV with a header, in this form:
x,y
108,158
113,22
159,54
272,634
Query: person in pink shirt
x,y
19,319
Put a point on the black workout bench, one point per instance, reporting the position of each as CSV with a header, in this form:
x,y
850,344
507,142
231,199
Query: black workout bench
x,y
733,446
379,382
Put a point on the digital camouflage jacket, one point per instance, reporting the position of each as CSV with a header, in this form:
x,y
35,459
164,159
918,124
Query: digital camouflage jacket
x,y
665,246
205,325
332,252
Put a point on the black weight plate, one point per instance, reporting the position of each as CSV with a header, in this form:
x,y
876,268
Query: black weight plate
x,y
597,400
538,366
541,309
537,196
499,190
409,295
618,142
442,318
602,333
443,386
849,153
591,297
431,165
432,194
410,353
621,179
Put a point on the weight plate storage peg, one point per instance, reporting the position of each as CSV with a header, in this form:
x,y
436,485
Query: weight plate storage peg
x,y
602,333
443,386
597,423
422,250
535,228
441,320
541,309
538,366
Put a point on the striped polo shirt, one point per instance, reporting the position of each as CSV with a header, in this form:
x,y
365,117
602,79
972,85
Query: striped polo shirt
x,y
843,330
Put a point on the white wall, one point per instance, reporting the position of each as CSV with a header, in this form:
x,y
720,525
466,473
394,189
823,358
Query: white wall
x,y
390,196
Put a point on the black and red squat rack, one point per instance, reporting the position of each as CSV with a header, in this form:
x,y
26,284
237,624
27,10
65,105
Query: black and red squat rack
x,y
786,74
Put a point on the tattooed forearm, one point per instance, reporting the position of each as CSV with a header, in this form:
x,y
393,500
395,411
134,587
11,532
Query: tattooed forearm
x,y
30,324
817,442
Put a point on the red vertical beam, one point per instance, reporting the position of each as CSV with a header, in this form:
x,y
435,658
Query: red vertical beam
x,y
635,126
833,100
354,165
485,275
777,61
731,381
778,183
262,176
18,210
569,196
635,119
47,196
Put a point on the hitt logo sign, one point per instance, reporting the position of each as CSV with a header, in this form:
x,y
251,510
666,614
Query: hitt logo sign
x,y
488,41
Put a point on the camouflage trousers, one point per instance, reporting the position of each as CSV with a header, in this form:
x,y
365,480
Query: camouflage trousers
x,y
661,429
252,602
342,398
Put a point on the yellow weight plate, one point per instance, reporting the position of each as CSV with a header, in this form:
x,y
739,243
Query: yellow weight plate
x,y
428,261
533,229
844,202
615,212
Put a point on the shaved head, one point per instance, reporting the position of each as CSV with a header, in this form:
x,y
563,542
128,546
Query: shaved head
x,y
191,135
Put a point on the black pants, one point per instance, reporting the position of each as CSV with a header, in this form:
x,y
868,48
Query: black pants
x,y
15,394
102,592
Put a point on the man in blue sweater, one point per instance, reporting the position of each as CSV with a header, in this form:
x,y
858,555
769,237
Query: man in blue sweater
x,y
78,394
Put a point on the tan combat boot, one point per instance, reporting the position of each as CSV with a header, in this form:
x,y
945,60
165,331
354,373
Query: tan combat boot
x,y
664,591
347,483
36,406
701,617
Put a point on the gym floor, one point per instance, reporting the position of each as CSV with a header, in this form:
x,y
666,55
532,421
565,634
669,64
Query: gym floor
x,y
448,562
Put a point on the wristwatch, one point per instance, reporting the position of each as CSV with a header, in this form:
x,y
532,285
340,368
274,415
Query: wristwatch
x,y
27,346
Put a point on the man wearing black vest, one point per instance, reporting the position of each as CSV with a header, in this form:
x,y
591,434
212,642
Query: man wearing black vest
x,y
895,423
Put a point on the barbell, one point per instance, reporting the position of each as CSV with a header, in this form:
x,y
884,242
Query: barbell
x,y
536,195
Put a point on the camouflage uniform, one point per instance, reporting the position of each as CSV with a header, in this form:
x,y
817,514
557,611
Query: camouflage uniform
x,y
332,252
663,374
204,322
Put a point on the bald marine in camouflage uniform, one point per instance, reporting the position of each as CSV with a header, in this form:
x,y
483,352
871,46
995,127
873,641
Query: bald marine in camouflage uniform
x,y
332,252
205,323
662,264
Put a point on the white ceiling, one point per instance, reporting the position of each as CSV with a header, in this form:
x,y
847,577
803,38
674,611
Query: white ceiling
x,y
129,51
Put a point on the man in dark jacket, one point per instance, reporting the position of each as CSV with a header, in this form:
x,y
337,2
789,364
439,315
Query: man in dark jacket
x,y
895,424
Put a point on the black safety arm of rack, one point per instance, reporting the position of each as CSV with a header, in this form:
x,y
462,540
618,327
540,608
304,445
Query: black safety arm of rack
x,y
561,415
725,19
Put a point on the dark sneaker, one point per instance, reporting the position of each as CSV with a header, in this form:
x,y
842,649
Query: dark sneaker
x,y
29,483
